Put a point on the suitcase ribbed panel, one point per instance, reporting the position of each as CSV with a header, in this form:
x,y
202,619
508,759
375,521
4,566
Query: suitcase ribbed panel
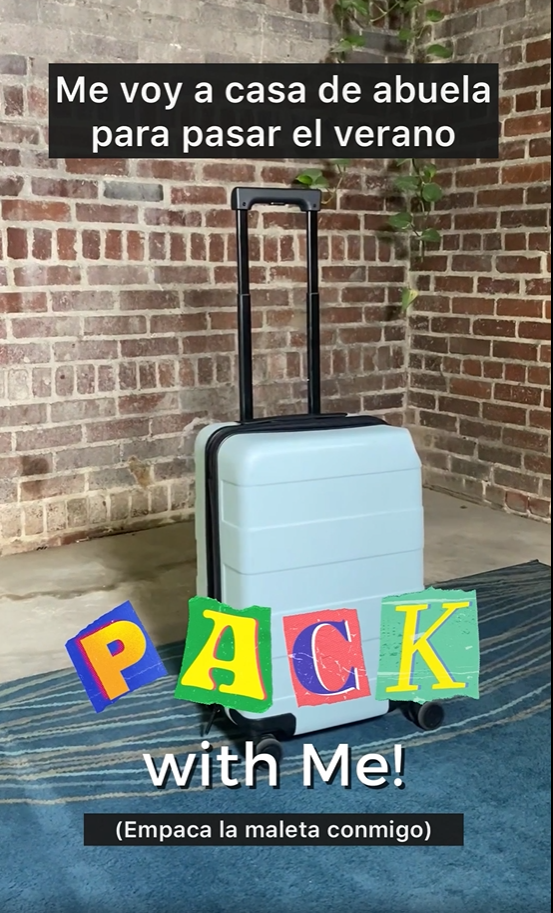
x,y
315,520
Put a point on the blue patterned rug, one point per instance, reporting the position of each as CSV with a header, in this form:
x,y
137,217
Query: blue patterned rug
x,y
491,761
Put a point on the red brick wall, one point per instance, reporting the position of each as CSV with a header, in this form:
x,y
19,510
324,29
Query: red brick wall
x,y
117,321
480,351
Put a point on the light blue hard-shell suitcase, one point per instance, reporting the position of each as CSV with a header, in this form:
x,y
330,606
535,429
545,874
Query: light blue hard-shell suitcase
x,y
306,512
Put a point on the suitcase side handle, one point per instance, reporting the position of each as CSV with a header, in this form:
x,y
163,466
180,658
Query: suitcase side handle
x,y
246,197
309,202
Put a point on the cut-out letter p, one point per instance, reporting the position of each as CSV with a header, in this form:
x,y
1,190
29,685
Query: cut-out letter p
x,y
114,656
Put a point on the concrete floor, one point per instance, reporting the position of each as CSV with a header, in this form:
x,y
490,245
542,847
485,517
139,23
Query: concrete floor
x,y
46,597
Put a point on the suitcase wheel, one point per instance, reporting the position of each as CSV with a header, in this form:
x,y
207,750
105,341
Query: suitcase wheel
x,y
268,744
428,716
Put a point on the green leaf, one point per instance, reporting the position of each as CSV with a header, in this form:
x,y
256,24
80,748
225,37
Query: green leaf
x,y
400,162
430,235
351,41
434,15
409,5
406,34
407,183
311,177
432,193
401,220
359,6
438,50
408,295
428,172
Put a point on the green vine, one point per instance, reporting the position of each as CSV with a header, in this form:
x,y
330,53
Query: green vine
x,y
415,180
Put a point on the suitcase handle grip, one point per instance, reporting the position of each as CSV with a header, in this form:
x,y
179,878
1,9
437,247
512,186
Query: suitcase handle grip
x,y
243,198
246,197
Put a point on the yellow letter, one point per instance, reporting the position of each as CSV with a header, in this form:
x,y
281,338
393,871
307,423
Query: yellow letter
x,y
108,666
244,665
410,646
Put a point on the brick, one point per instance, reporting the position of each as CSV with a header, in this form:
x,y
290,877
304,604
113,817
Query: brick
x,y
182,275
523,217
539,507
113,245
494,327
146,403
526,173
91,245
459,406
538,463
45,439
532,123
44,327
475,177
469,346
503,456
538,50
149,300
12,185
532,329
127,190
46,275
517,351
42,383
42,244
115,326
96,166
82,300
40,489
10,158
123,274
17,247
525,440
523,77
463,386
539,419
97,212
519,264
60,187
118,430
21,354
526,101
510,196
166,170
27,211
493,286
135,245
199,196
516,501
13,65
82,409
14,101
181,323
516,393
144,348
513,415
93,350
66,244
12,133
438,420
541,287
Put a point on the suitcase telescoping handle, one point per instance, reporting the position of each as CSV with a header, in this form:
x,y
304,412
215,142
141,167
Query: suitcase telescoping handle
x,y
308,201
